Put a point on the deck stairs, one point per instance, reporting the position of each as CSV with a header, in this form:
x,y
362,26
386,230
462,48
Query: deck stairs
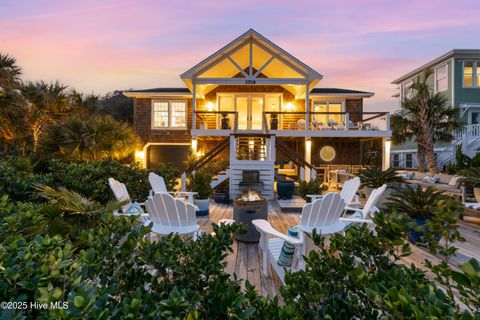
x,y
468,138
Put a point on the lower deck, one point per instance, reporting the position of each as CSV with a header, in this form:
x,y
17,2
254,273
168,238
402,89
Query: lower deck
x,y
246,259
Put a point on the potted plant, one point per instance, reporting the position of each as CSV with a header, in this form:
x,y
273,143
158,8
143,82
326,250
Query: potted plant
x,y
274,121
472,179
225,121
373,178
419,204
311,187
200,182
221,194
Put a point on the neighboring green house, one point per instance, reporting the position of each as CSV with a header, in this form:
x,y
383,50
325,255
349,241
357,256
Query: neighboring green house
x,y
457,75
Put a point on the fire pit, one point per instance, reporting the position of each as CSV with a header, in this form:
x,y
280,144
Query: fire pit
x,y
248,207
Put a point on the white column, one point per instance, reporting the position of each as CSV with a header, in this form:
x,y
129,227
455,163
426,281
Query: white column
x,y
307,106
347,120
386,154
308,157
194,104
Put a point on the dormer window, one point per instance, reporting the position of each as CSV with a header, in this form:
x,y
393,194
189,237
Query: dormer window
x,y
441,78
471,74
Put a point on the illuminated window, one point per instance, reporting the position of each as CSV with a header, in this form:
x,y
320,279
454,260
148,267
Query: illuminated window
x,y
329,111
178,114
468,74
441,78
471,74
169,114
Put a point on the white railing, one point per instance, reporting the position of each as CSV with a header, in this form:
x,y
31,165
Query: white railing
x,y
464,136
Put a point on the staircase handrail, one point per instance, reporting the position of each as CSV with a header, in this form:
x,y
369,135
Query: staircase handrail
x,y
292,155
459,136
209,155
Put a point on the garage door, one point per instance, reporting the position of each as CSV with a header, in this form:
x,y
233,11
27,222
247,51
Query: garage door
x,y
175,154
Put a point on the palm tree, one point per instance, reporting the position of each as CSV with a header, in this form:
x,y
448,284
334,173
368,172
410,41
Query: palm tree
x,y
9,72
12,107
84,105
47,103
93,138
427,118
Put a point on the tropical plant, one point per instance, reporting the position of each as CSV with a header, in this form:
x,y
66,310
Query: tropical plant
x,y
471,176
426,118
375,177
92,138
415,201
13,126
200,182
84,105
10,72
117,105
47,103
315,186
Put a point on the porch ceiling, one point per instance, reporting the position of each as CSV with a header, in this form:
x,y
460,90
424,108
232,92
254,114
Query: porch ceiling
x,y
251,55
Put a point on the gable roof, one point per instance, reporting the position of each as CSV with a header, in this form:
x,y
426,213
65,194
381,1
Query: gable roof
x,y
251,50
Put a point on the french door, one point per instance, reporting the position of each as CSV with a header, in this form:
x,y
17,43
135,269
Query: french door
x,y
250,111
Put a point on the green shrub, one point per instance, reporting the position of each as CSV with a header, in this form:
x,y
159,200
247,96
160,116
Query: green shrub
x,y
200,182
169,172
18,185
121,274
90,178
311,187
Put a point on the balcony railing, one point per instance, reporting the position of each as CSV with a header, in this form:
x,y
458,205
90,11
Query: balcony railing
x,y
296,121
216,120
327,121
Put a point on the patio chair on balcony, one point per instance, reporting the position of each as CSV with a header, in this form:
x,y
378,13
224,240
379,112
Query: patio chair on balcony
x,y
159,186
301,124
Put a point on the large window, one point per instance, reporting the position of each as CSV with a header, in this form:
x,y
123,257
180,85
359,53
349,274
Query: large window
x,y
471,74
332,109
169,114
441,78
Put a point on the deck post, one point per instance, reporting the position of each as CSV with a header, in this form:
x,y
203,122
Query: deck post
x,y
347,121
307,106
194,104
308,158
386,153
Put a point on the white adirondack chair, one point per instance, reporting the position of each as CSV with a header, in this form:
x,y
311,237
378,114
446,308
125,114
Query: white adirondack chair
x,y
121,193
159,186
348,193
170,215
366,214
323,215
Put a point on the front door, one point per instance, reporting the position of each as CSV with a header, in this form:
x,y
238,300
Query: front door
x,y
250,111
475,119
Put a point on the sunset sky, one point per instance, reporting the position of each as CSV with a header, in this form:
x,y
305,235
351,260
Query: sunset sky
x,y
100,46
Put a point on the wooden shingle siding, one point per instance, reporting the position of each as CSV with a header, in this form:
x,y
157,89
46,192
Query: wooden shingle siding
x,y
354,105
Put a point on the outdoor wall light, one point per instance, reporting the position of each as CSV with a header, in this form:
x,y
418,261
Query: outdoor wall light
x,y
289,106
210,106
139,157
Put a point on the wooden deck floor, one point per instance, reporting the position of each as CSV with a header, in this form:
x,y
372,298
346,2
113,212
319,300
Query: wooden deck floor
x,y
246,259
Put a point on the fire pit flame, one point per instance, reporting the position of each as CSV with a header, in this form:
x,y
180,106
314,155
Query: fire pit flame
x,y
251,195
